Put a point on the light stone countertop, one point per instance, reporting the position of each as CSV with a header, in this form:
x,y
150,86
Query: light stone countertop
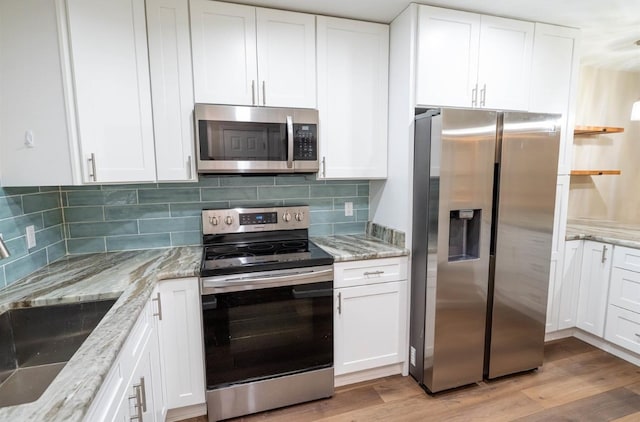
x,y
355,247
615,233
131,276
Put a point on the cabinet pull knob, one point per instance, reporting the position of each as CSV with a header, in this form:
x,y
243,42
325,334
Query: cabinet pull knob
x,y
93,175
604,254
253,92
264,94
159,301
339,303
483,95
474,96
368,273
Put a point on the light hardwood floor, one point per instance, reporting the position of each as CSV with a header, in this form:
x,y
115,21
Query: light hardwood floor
x,y
576,383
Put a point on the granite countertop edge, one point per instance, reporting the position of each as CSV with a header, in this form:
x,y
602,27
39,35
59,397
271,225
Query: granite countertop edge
x,y
615,233
70,395
355,247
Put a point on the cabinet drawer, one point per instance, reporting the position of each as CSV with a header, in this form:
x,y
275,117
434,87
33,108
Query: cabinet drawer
x,y
623,328
625,289
370,271
626,258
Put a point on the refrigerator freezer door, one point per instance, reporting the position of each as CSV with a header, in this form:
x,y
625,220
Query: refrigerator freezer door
x,y
449,296
524,227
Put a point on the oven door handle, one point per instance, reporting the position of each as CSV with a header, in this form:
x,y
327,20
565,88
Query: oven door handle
x,y
265,281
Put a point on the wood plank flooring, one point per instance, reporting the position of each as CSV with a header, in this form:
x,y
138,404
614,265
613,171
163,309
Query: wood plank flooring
x,y
577,382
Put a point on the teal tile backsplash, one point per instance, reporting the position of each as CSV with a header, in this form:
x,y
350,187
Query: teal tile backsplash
x,y
98,218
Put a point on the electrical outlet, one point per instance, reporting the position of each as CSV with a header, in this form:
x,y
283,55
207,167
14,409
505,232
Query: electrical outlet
x,y
348,209
31,237
28,139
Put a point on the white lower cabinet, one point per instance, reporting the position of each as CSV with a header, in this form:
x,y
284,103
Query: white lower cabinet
x,y
568,296
160,368
180,336
594,286
370,319
129,390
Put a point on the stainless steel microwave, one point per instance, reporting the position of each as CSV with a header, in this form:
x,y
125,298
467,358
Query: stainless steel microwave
x,y
241,139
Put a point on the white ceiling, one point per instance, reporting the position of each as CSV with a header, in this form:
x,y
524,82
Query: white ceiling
x,y
609,27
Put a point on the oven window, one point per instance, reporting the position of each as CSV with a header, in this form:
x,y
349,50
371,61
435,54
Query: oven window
x,y
257,334
240,141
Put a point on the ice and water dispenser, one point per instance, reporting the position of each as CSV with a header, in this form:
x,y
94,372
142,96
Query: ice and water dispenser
x,y
464,234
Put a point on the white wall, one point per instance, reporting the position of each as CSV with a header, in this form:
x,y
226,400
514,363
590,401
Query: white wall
x,y
605,98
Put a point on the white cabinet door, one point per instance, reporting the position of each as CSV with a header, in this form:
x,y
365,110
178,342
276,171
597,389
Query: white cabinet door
x,y
108,46
554,75
594,287
504,65
353,61
447,57
171,87
286,58
568,299
181,343
223,37
370,324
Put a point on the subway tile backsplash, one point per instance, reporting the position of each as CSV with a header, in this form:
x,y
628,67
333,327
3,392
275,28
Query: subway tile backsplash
x,y
98,218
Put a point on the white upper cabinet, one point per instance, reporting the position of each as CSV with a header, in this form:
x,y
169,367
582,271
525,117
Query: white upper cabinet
x,y
108,48
554,77
504,63
225,68
470,60
171,87
353,62
252,56
447,59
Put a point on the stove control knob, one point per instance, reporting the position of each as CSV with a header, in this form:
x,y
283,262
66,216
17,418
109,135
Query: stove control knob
x,y
213,220
299,216
286,217
229,220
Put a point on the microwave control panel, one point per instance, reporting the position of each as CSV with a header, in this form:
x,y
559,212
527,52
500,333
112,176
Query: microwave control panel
x,y
305,142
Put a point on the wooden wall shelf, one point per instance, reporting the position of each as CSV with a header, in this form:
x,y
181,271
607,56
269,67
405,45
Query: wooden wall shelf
x,y
595,172
596,130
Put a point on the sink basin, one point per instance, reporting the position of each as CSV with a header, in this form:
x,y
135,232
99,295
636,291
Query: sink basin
x,y
36,343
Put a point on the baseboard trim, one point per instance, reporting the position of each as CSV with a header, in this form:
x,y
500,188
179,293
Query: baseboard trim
x,y
368,374
187,412
595,341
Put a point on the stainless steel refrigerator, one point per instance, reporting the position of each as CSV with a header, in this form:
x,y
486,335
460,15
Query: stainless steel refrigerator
x,y
483,210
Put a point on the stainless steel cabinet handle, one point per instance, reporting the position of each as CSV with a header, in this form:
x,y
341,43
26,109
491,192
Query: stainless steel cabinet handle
x,y
339,303
189,169
324,167
159,313
253,92
474,96
143,394
137,396
483,95
366,273
289,142
604,254
93,174
264,94
637,335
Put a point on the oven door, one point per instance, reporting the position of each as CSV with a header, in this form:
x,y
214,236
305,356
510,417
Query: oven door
x,y
237,139
266,332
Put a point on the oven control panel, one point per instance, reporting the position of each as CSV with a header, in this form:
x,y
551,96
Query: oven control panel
x,y
243,220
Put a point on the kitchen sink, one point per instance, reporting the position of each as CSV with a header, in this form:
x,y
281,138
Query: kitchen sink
x,y
36,343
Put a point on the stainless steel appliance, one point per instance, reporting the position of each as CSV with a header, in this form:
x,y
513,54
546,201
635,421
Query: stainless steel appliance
x,y
483,210
240,139
267,311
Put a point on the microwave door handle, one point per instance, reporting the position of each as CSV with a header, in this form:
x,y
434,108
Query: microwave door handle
x,y
289,142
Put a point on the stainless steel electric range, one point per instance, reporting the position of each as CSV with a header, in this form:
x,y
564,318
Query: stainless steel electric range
x,y
267,311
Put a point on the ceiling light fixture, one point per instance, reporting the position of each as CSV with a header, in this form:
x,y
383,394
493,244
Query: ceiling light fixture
x,y
635,110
